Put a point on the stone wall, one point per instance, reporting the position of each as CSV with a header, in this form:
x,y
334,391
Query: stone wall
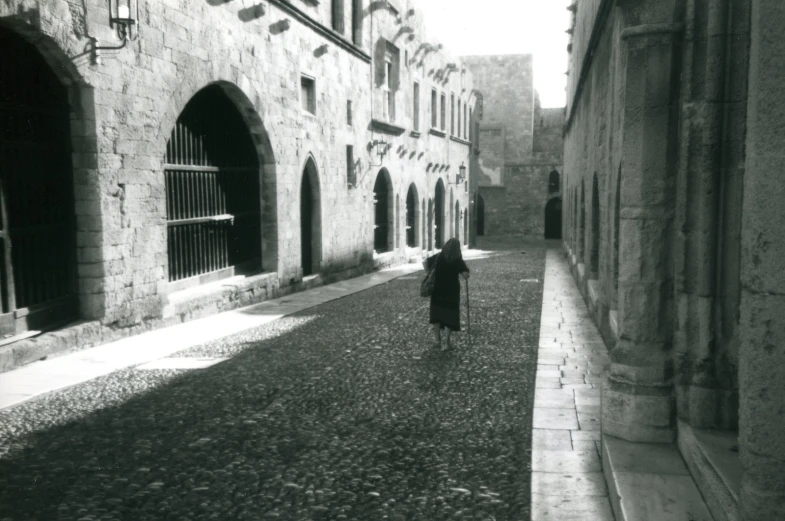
x,y
125,104
520,141
659,147
507,81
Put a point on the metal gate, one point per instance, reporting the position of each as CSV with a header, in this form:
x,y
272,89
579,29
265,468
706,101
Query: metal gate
x,y
212,192
37,255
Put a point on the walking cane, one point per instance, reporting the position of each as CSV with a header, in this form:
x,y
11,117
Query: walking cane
x,y
468,314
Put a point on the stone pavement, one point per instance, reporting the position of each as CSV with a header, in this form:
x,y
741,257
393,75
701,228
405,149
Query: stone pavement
x,y
567,478
339,411
45,376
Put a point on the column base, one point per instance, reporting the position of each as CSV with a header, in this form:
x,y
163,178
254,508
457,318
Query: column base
x,y
637,417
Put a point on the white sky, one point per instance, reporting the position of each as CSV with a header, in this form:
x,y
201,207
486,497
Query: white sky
x,y
468,27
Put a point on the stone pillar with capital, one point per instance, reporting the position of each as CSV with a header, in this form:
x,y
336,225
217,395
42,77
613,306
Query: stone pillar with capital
x,y
638,401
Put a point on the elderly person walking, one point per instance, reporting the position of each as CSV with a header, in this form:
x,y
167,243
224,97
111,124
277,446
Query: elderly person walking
x,y
446,297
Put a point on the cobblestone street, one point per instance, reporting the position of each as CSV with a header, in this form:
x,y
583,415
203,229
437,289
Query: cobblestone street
x,y
341,411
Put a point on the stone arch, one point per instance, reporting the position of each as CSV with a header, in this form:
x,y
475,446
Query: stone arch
x,y
413,217
553,218
52,108
594,257
213,209
553,182
90,303
310,217
239,90
384,227
439,210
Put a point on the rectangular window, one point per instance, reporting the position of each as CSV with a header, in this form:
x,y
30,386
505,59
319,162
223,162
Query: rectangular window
x,y
389,93
349,112
444,112
416,115
465,123
338,16
308,94
357,22
434,109
351,175
458,118
452,114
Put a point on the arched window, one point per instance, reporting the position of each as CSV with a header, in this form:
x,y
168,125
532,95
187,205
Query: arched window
x,y
553,182
212,190
37,234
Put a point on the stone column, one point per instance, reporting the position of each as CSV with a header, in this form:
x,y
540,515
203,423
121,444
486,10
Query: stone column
x,y
762,326
638,403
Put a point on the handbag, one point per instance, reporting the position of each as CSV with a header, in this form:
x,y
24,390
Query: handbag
x,y
428,283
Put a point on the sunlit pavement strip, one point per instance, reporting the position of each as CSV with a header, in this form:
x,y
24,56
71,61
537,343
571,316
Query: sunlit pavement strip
x,y
42,377
567,479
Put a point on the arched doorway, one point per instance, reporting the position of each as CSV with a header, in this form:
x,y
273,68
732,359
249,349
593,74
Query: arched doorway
x,y
553,212
212,190
457,225
310,220
37,232
382,200
480,215
438,203
411,216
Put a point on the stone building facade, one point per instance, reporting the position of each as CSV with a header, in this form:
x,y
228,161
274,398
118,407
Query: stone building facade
x,y
519,171
227,153
674,226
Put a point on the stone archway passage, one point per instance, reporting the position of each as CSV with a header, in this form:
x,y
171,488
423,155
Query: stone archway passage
x,y
37,233
553,211
212,190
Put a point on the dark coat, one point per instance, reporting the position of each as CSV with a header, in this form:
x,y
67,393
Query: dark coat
x,y
446,297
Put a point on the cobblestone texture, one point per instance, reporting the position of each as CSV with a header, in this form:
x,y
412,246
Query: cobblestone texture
x,y
341,411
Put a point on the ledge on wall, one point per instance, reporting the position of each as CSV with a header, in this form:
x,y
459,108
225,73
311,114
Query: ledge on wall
x,y
436,132
460,140
386,127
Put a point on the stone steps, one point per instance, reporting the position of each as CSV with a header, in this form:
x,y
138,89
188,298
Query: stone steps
x,y
650,482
